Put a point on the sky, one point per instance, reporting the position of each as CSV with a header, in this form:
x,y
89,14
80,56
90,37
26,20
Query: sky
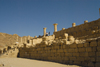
x,y
29,17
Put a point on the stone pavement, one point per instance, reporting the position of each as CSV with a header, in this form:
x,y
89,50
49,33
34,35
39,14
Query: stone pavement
x,y
20,62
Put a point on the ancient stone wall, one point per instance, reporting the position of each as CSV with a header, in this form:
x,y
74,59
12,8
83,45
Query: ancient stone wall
x,y
81,30
9,51
37,40
85,54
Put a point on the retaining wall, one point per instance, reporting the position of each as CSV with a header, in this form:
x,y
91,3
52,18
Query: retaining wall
x,y
85,54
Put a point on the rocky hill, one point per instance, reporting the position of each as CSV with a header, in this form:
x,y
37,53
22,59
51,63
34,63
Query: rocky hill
x,y
7,39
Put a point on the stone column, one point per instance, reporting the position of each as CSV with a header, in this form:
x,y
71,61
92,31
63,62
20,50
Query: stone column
x,y
86,21
63,28
55,27
73,24
35,37
44,29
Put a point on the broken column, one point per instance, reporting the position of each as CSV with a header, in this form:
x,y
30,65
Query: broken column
x,y
63,28
71,39
86,21
73,24
55,27
44,29
66,36
35,37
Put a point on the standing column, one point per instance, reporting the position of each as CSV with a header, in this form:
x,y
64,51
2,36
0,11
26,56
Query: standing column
x,y
44,31
73,24
55,27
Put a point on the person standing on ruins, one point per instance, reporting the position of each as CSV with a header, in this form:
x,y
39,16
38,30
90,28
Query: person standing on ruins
x,y
49,33
46,34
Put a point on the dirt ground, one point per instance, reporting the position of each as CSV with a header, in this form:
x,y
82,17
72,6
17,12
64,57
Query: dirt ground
x,y
21,62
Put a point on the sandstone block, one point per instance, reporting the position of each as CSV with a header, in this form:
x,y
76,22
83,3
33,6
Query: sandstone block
x,y
97,65
71,50
97,59
62,54
70,62
76,54
80,59
76,50
98,42
60,50
63,46
94,49
68,54
66,58
92,59
97,53
65,50
80,45
98,48
72,58
84,64
77,63
82,49
73,46
56,47
83,54
89,49
54,51
90,64
86,44
93,43
91,53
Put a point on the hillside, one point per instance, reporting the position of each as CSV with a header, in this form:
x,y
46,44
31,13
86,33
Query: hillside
x,y
7,39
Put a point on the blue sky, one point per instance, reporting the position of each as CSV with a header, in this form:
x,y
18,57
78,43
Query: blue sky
x,y
29,17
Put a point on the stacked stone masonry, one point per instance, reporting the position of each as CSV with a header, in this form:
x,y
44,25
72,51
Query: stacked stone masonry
x,y
78,45
82,30
85,54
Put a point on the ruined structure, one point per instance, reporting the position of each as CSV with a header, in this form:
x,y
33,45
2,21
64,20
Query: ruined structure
x,y
78,45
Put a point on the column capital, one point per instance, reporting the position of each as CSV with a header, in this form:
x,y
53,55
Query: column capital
x,y
55,24
44,28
